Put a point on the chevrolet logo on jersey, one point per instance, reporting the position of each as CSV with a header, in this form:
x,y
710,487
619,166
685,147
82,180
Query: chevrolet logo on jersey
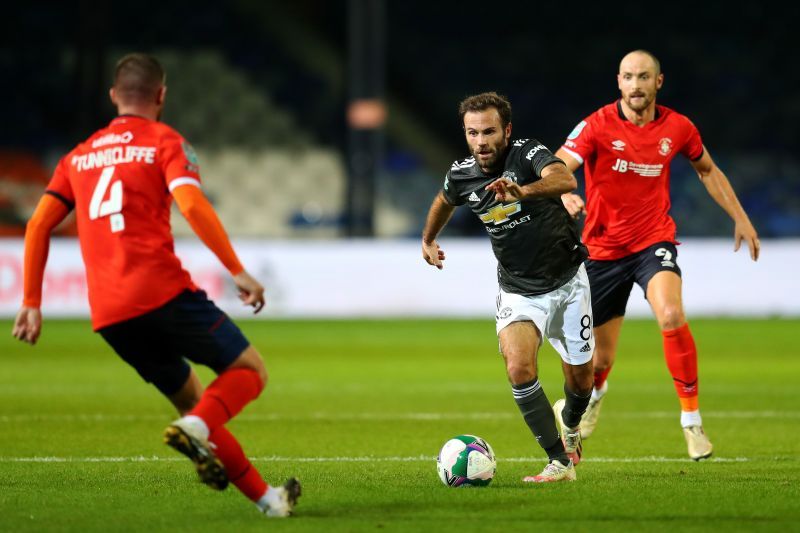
x,y
500,213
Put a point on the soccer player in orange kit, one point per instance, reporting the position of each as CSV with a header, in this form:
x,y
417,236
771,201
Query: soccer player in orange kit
x,y
626,148
121,182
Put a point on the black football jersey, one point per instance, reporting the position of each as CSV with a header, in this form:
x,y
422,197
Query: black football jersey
x,y
535,241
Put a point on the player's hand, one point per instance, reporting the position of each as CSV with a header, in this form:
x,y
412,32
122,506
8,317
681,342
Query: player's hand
x,y
432,254
251,292
505,189
744,231
28,325
574,204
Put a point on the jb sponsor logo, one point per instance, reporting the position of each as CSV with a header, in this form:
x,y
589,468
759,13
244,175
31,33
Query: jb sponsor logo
x,y
648,171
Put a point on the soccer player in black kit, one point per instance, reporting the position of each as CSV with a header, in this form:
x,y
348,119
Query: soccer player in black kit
x,y
514,187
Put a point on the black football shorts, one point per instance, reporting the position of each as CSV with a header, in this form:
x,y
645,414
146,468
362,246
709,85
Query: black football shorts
x,y
611,281
189,326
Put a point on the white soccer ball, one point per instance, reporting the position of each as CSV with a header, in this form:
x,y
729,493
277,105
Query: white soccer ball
x,y
466,461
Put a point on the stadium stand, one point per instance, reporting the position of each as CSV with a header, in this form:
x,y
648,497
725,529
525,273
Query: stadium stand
x,y
267,82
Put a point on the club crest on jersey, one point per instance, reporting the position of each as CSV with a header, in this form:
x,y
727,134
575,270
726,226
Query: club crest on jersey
x,y
510,175
665,146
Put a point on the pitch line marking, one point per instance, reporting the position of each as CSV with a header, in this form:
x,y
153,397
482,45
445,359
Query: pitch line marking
x,y
356,459
266,417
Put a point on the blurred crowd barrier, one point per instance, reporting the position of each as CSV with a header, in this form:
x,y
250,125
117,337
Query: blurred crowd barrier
x,y
388,278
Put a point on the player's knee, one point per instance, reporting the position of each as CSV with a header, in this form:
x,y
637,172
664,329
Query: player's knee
x,y
251,360
584,384
519,373
583,379
264,376
603,358
257,365
671,317
601,364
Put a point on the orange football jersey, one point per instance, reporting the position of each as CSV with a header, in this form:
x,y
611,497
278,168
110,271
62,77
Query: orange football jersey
x,y
119,182
626,168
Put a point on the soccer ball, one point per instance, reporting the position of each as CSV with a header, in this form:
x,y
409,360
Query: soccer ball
x,y
466,461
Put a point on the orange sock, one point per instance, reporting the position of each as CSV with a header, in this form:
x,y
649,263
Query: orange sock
x,y
681,355
600,378
689,404
241,471
227,395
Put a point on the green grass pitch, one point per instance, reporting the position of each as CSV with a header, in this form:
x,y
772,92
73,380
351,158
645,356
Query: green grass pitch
x,y
358,410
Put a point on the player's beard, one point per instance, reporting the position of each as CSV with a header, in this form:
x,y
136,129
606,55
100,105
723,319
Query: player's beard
x,y
492,164
641,104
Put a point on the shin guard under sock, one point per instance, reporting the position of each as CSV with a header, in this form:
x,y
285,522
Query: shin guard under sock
x,y
681,356
539,417
227,395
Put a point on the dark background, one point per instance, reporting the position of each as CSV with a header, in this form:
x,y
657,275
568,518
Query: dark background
x,y
731,67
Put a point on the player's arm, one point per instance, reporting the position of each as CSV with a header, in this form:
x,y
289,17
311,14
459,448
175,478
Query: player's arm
x,y
572,202
204,221
438,216
722,192
48,214
556,179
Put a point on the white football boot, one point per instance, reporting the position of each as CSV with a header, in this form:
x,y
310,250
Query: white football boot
x,y
554,471
571,437
589,418
189,438
280,501
697,442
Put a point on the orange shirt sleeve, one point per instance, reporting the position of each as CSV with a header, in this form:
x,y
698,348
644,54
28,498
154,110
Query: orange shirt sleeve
x,y
49,213
178,161
198,211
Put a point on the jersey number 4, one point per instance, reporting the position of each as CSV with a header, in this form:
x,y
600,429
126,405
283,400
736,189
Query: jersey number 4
x,y
112,207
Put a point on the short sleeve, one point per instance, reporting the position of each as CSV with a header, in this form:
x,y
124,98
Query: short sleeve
x,y
580,143
535,156
179,162
449,191
59,185
693,148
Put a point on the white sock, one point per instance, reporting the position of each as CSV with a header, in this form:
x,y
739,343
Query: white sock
x,y
268,499
198,424
597,394
691,418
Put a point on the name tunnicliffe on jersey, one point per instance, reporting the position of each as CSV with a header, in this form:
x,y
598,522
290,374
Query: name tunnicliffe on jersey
x,y
115,156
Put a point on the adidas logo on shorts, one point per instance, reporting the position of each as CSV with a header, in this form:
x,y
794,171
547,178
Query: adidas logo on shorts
x,y
586,347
